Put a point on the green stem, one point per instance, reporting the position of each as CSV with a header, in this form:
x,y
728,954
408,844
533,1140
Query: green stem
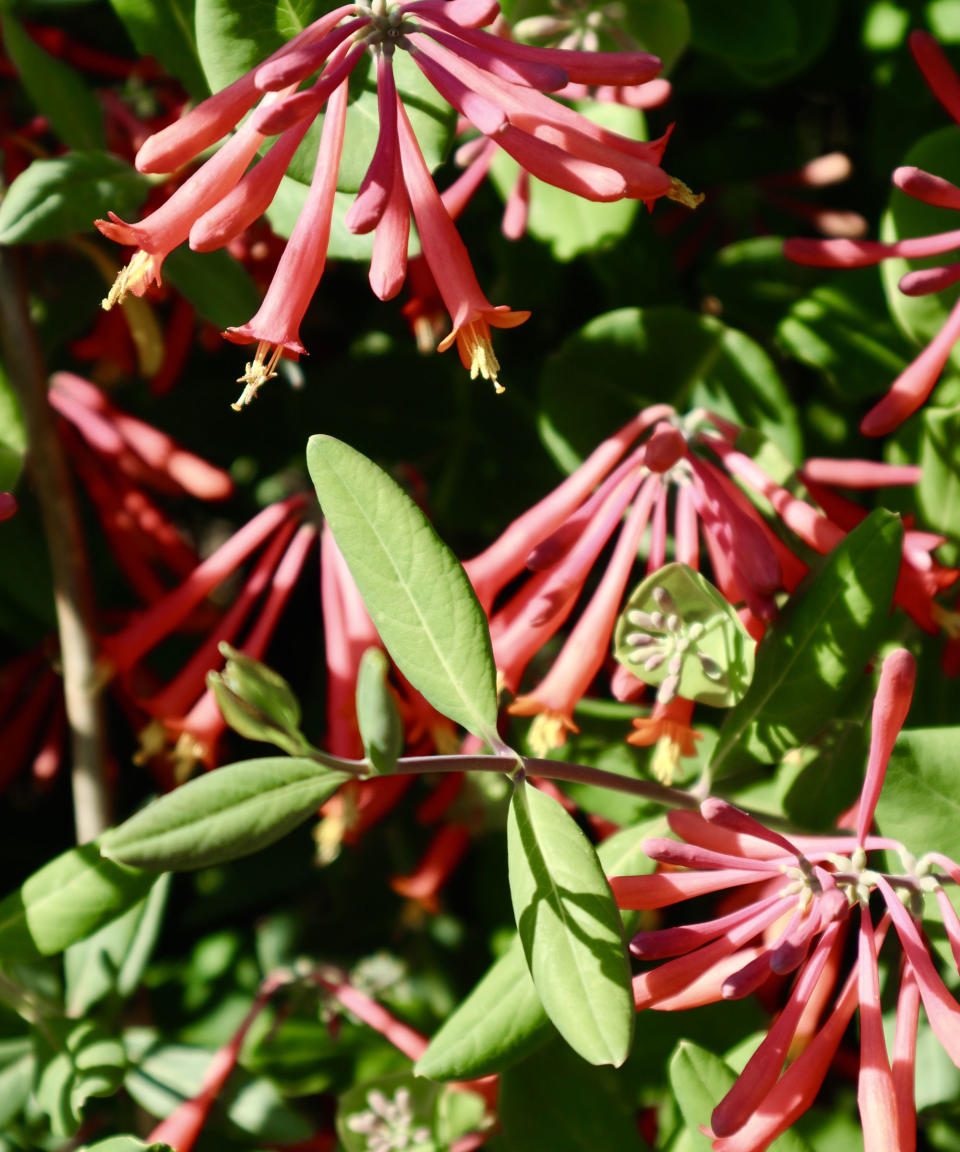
x,y
551,770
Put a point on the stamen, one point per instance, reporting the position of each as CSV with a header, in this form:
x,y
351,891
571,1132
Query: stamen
x,y
682,194
257,373
137,274
483,362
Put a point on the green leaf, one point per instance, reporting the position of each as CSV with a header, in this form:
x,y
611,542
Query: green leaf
x,y
922,317
938,493
83,1061
163,1076
56,90
813,655
344,245
700,1080
57,197
17,1074
502,1020
221,290
378,719
224,815
415,590
67,900
164,29
717,656
753,283
920,801
843,330
659,26
232,39
570,928
750,31
553,1101
627,359
13,435
113,958
571,225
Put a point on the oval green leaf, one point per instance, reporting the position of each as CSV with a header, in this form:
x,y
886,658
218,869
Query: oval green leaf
x,y
502,1019
224,815
414,588
632,357
814,653
67,900
570,928
57,197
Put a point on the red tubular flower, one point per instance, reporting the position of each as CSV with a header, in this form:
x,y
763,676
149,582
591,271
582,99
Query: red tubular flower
x,y
501,87
816,881
661,467
912,387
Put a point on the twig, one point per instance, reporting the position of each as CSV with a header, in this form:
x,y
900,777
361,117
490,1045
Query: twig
x,y
72,593
552,770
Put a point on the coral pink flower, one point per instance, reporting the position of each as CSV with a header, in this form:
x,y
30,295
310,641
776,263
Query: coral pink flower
x,y
661,467
796,896
912,387
501,87
668,729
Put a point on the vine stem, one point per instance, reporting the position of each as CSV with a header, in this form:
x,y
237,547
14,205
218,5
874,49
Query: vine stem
x,y
72,592
552,770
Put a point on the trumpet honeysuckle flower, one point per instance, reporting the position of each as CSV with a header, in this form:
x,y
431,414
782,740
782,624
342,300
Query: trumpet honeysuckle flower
x,y
501,87
798,898
912,387
681,480
667,729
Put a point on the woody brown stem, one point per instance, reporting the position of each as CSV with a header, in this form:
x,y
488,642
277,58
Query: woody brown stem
x,y
72,591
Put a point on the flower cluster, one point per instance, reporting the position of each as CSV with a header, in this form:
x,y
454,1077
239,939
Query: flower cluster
x,y
798,900
659,469
912,387
501,87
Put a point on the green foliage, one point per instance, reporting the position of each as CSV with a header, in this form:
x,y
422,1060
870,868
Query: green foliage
x,y
938,493
568,223
627,359
570,928
220,289
813,654
67,900
227,814
921,317
919,799
502,1019
54,198
56,89
700,1080
439,640
75,1061
13,435
554,1101
164,29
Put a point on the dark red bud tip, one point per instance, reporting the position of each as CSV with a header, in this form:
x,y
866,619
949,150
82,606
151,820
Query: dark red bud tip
x,y
664,448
